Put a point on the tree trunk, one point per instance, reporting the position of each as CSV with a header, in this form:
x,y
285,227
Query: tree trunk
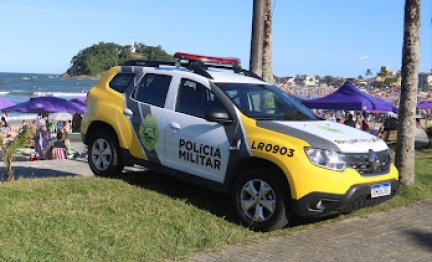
x,y
256,54
405,151
267,44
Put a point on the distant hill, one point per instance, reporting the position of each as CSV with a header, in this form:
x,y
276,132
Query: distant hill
x,y
93,61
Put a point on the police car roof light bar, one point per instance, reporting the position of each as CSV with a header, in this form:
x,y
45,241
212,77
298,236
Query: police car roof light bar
x,y
208,59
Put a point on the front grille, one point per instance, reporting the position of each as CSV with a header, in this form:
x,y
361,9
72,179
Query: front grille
x,y
361,163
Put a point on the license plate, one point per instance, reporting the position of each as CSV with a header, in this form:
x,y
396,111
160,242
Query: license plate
x,y
380,190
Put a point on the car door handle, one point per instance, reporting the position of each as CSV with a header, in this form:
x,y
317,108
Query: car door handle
x,y
175,125
127,113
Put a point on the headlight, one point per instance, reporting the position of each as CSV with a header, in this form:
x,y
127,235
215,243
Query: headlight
x,y
326,158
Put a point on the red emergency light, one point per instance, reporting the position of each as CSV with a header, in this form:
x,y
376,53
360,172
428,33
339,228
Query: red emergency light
x,y
208,59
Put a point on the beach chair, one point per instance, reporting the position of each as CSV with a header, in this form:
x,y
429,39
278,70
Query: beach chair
x,y
59,153
390,137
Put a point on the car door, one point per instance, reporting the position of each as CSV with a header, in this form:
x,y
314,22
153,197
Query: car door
x,y
192,144
147,115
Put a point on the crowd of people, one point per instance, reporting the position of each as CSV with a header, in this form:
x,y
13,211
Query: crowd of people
x,y
364,120
47,145
46,137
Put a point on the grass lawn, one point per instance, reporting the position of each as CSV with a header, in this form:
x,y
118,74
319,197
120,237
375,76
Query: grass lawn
x,y
141,217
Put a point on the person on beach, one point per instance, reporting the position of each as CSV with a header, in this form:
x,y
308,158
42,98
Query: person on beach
x,y
23,127
76,123
350,121
4,114
41,137
390,123
4,128
365,126
58,142
358,122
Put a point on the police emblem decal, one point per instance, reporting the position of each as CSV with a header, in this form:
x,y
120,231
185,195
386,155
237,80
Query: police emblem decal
x,y
149,132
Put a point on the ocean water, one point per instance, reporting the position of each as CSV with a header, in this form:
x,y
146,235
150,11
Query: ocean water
x,y
19,87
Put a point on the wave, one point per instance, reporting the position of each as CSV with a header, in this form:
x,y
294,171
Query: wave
x,y
36,94
60,94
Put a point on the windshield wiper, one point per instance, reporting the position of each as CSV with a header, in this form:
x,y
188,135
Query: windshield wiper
x,y
265,118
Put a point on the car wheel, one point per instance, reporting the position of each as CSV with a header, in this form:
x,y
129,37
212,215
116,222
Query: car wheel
x,y
262,200
103,155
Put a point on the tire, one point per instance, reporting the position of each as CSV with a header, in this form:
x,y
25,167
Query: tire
x,y
103,155
272,210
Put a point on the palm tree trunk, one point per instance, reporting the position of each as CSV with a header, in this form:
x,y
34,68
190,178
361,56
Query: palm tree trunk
x,y
256,54
405,151
267,44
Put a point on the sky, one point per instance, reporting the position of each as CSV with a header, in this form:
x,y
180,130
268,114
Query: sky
x,y
314,37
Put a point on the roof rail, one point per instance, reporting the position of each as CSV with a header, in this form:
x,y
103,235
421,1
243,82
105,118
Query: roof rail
x,y
148,63
195,66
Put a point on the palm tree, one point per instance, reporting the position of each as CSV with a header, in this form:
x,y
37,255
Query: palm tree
x,y
267,68
368,72
405,151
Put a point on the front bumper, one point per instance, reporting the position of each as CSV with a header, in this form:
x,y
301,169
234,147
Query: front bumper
x,y
319,204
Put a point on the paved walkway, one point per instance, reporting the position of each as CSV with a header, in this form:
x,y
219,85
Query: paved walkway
x,y
402,234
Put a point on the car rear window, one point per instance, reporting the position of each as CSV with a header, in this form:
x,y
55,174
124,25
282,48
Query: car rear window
x,y
121,81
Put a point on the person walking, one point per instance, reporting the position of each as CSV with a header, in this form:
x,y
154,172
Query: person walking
x,y
41,136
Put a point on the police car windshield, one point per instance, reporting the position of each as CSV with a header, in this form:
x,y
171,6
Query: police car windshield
x,y
265,102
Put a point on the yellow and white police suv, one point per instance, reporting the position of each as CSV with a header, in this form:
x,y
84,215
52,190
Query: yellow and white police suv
x,y
230,131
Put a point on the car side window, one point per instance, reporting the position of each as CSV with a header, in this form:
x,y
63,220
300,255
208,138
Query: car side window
x,y
194,99
121,81
152,89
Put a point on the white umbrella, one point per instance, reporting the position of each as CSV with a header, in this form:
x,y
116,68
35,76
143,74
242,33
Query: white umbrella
x,y
55,117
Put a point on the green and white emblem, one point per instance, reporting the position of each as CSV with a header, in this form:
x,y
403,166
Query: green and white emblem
x,y
149,132
329,129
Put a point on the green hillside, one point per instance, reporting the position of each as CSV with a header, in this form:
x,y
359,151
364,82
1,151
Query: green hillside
x,y
98,58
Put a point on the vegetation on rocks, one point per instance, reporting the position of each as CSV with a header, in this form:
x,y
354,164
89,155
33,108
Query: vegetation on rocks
x,y
98,58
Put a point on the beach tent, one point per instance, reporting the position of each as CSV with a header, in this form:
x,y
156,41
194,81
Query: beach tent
x,y
44,104
349,97
427,104
5,103
79,102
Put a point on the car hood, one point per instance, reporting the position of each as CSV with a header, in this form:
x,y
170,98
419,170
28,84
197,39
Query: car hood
x,y
328,135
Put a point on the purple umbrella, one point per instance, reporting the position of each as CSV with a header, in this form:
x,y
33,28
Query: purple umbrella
x,y
44,104
5,103
79,102
427,104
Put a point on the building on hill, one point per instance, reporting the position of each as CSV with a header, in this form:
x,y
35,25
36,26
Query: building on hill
x,y
424,81
132,49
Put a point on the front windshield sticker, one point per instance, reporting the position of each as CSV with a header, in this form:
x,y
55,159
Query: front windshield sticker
x,y
149,132
331,129
355,141
275,149
200,154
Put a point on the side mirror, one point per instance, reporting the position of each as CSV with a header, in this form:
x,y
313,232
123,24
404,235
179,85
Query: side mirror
x,y
218,115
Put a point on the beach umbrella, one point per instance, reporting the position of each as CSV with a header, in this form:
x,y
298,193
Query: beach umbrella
x,y
79,102
44,104
5,103
427,104
62,116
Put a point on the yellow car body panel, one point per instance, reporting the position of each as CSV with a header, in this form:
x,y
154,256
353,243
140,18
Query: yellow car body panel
x,y
303,176
109,110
